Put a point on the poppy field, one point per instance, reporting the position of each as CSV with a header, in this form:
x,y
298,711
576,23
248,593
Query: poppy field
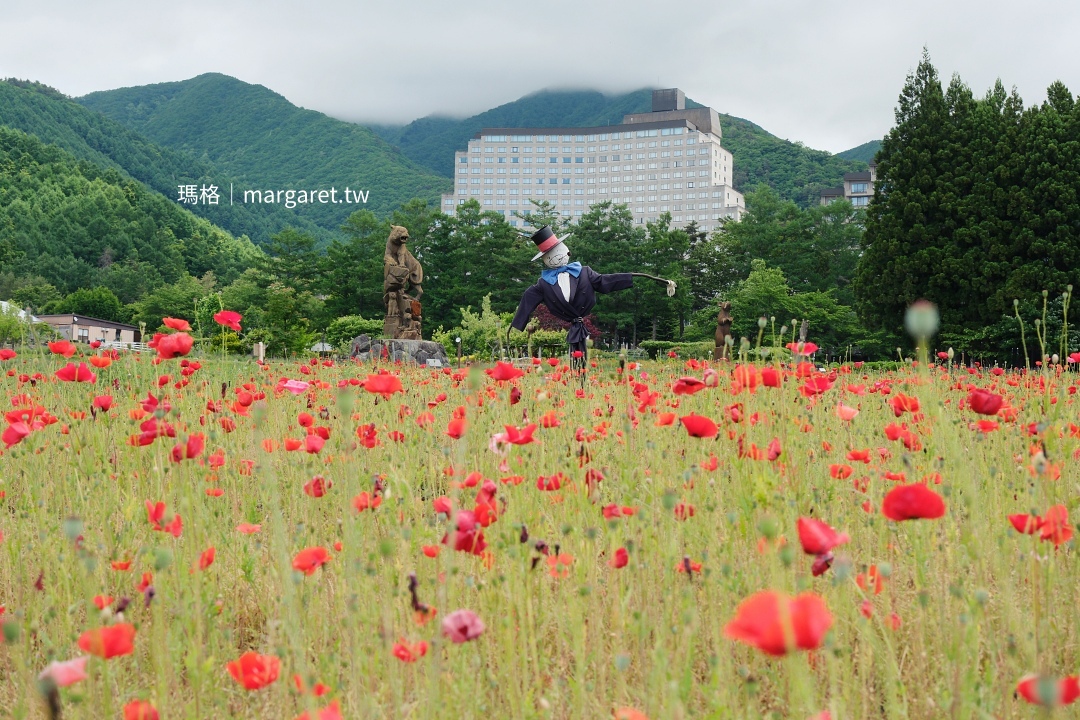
x,y
187,536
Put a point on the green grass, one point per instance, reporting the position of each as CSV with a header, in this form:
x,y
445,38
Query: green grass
x,y
980,605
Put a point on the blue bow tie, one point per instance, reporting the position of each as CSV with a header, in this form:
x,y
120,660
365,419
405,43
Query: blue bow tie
x,y
551,275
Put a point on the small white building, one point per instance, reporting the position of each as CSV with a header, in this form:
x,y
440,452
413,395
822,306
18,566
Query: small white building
x,y
83,329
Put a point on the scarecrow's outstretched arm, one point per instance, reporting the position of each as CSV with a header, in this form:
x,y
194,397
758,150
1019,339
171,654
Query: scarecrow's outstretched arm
x,y
670,283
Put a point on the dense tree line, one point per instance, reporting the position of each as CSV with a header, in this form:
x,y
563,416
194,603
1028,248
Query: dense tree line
x,y
976,205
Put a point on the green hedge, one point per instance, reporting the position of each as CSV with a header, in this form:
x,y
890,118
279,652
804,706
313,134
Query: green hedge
x,y
659,348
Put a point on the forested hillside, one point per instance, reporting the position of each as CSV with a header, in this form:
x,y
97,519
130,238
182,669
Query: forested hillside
x,y
67,224
794,171
265,142
864,152
88,135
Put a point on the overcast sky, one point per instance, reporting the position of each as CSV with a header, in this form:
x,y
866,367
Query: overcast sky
x,y
825,73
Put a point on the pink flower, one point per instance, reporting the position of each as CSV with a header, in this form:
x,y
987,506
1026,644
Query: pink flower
x,y
296,387
66,673
462,625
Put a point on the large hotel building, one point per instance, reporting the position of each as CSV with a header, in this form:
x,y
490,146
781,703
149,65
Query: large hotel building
x,y
668,160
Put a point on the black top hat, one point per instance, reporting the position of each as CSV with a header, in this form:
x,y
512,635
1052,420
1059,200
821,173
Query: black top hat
x,y
545,239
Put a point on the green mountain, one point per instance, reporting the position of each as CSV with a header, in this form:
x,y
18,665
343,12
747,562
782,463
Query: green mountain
x,y
87,135
72,224
793,170
265,143
864,153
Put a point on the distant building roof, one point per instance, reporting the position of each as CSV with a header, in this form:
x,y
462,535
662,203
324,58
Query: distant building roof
x,y
71,318
833,192
857,176
7,307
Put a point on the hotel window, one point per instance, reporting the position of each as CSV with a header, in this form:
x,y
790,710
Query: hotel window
x,y
860,201
463,160
859,187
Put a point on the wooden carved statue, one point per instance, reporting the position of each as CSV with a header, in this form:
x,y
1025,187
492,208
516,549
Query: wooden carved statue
x,y
402,274
723,331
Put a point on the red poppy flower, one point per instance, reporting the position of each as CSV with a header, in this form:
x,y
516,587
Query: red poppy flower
x,y
366,501
313,444
14,433
777,624
71,373
684,511
770,377
817,538
317,486
385,385
687,386
102,601
172,346
409,652
1049,692
912,502
62,347
665,418
103,402
310,559
140,710
176,324
815,386
504,371
984,402
550,483
522,436
620,559
100,361
229,319
254,671
248,528
456,428
206,559
698,426
109,642
901,403
8,354
467,537
1055,525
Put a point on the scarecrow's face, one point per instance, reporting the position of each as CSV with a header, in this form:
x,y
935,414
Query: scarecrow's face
x,y
557,256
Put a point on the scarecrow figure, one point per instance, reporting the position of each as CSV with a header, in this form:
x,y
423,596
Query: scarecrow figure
x,y
569,290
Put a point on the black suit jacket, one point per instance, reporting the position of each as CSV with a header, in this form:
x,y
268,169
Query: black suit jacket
x,y
583,291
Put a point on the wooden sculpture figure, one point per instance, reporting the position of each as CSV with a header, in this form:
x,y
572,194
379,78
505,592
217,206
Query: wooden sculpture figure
x,y
569,290
401,272
723,331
